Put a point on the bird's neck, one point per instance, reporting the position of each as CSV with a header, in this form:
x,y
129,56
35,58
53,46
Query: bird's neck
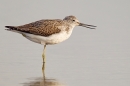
x,y
69,29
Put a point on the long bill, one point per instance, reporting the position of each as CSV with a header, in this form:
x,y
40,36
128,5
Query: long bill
x,y
87,26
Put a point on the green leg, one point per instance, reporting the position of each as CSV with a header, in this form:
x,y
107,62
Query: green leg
x,y
43,55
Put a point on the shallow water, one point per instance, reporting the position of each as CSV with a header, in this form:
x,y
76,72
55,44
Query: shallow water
x,y
98,57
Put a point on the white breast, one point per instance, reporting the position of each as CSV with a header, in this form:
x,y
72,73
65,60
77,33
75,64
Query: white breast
x,y
59,37
53,39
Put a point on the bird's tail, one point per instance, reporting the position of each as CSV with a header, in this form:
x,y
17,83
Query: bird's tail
x,y
13,29
10,28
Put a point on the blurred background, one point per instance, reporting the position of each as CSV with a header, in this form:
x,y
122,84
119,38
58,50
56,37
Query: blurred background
x,y
89,57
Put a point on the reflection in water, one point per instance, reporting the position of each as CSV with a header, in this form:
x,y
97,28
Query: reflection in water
x,y
43,70
43,81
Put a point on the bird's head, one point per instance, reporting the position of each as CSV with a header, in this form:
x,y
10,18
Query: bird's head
x,y
74,21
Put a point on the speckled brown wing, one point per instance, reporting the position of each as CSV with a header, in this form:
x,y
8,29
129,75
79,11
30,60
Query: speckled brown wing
x,y
42,27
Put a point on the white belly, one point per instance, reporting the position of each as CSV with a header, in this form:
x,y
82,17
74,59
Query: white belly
x,y
53,39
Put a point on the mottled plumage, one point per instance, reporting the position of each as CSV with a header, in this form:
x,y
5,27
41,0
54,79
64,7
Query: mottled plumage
x,y
42,27
48,30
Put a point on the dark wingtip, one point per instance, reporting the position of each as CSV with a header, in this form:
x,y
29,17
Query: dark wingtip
x,y
10,28
7,27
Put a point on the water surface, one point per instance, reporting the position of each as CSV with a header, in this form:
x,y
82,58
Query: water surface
x,y
89,57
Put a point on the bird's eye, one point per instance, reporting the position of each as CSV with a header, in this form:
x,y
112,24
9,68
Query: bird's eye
x,y
73,20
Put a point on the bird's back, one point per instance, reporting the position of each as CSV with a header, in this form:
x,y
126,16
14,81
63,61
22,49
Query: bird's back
x,y
41,27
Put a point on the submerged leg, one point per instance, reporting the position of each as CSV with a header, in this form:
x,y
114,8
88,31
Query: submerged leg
x,y
43,66
43,72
